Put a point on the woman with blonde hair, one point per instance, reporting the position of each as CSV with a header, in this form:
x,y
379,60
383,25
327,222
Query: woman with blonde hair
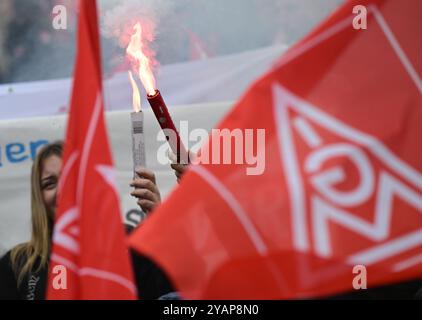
x,y
23,270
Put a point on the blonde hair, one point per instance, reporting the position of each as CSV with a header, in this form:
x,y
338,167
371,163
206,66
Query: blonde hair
x,y
25,256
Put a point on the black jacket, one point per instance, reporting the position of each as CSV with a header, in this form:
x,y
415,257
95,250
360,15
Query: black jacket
x,y
151,282
32,287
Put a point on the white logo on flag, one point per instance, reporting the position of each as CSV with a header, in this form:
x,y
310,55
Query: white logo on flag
x,y
109,174
66,232
329,204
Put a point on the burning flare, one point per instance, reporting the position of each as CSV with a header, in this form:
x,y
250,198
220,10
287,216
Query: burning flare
x,y
140,61
136,96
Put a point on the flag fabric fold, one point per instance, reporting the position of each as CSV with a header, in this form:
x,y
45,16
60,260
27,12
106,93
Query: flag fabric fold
x,y
342,185
88,238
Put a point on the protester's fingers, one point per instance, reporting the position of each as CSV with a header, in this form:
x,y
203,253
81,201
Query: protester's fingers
x,y
141,183
146,205
179,168
179,171
146,189
179,175
144,194
146,174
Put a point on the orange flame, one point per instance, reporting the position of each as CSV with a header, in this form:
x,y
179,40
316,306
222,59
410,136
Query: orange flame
x,y
136,96
142,64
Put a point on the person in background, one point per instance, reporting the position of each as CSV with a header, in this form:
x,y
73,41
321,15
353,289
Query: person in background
x,y
24,269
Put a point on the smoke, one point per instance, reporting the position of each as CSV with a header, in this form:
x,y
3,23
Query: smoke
x,y
221,27
118,20
31,50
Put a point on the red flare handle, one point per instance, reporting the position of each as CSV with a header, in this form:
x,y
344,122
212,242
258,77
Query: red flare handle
x,y
166,123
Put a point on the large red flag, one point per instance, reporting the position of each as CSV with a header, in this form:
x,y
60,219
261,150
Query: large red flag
x,y
342,184
88,239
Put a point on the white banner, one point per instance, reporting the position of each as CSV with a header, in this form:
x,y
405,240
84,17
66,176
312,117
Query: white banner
x,y
38,108
20,140
208,81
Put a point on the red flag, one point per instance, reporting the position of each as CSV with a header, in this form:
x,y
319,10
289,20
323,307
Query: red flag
x,y
342,184
88,239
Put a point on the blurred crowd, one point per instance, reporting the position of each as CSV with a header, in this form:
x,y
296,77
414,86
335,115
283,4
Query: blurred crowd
x,y
29,46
